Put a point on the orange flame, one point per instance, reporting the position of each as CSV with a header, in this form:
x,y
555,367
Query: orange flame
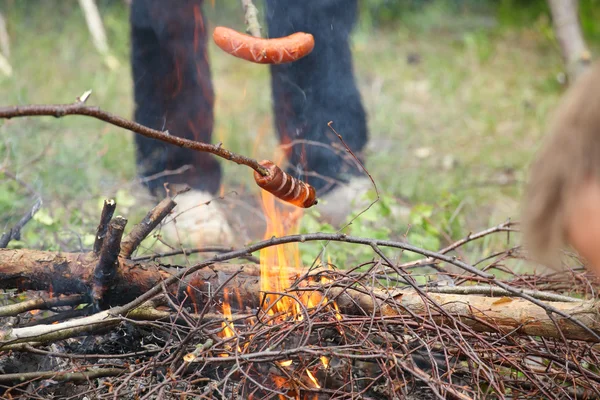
x,y
227,325
276,262
228,330
313,379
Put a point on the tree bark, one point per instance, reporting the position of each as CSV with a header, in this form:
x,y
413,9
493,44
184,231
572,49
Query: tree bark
x,y
68,273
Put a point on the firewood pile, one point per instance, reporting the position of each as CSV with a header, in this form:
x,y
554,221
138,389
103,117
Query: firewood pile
x,y
104,324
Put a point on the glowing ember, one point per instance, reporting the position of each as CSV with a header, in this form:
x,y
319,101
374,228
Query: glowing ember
x,y
286,363
325,361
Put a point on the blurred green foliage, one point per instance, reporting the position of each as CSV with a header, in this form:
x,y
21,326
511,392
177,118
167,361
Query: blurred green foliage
x,y
509,13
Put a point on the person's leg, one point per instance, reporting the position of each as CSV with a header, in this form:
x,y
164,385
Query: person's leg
x,y
319,88
173,90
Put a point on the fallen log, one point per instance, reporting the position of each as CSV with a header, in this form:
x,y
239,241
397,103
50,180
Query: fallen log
x,y
73,272
483,314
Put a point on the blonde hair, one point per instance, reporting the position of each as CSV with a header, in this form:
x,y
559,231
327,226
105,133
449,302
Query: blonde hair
x,y
570,157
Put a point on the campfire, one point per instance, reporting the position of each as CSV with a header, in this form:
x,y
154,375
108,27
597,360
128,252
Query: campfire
x,y
278,329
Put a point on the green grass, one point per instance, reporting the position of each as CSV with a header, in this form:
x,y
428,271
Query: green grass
x,y
477,101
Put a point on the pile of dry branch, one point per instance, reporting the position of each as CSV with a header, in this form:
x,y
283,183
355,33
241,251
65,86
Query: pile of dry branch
x,y
116,327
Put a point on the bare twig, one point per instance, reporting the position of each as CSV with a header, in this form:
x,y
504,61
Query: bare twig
x,y
79,108
187,252
108,209
140,231
251,16
96,28
40,304
4,39
5,66
15,232
62,376
76,327
365,170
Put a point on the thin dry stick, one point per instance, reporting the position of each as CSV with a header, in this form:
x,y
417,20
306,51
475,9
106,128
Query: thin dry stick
x,y
79,108
108,210
40,304
251,14
187,252
15,232
143,229
5,66
492,291
62,376
503,227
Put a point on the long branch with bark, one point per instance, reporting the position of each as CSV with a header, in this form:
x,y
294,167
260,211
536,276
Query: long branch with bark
x,y
79,108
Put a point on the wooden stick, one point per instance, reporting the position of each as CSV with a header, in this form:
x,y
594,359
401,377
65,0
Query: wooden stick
x,y
565,18
143,229
251,16
79,108
106,268
108,209
15,231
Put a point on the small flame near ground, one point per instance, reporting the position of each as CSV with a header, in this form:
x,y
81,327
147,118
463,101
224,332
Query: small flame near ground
x,y
228,329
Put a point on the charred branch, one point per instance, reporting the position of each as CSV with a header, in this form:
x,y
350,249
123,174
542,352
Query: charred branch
x,y
139,232
69,273
106,269
108,209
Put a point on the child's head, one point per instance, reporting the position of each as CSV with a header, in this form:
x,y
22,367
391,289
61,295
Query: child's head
x,y
562,200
